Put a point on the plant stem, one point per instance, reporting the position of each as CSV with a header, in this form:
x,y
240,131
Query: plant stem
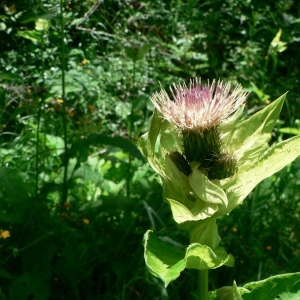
x,y
64,119
130,134
203,285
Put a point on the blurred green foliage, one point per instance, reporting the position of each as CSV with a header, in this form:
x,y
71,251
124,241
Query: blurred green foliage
x,y
116,53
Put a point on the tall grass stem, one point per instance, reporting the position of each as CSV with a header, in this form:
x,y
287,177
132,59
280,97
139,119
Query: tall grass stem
x,y
63,118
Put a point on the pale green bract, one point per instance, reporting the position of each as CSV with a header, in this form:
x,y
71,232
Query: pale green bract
x,y
196,202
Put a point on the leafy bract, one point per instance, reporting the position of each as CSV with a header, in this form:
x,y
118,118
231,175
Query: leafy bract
x,y
272,287
272,161
267,289
205,189
228,293
166,261
204,232
290,296
250,137
192,197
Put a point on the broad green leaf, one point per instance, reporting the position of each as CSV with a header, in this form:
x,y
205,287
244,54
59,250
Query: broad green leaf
x,y
225,128
276,158
162,259
250,137
272,287
290,296
228,293
166,261
202,257
182,214
204,232
205,189
176,185
192,198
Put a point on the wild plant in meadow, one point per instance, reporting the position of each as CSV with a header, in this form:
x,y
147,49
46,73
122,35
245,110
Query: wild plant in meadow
x,y
208,159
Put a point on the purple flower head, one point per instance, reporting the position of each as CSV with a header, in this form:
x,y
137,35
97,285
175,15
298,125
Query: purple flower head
x,y
199,107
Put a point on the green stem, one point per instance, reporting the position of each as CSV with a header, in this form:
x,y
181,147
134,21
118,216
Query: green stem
x,y
203,285
131,133
64,118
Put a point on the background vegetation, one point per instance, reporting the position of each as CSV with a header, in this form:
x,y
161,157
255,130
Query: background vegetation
x,y
76,196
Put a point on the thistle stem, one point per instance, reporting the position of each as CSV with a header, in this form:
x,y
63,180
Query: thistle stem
x,y
202,285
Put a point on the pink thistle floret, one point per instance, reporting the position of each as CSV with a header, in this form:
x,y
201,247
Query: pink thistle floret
x,y
199,107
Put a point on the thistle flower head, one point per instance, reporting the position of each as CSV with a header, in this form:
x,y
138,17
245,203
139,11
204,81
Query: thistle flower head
x,y
199,107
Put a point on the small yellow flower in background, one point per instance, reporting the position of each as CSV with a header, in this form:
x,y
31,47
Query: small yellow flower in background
x,y
59,100
89,72
4,234
234,229
269,248
86,221
84,62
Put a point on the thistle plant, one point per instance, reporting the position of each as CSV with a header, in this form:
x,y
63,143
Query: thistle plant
x,y
208,159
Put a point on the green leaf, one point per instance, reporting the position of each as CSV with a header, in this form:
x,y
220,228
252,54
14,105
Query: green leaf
x,y
42,25
34,36
78,21
123,110
148,142
137,52
9,76
205,189
193,197
228,293
54,143
272,287
290,296
200,212
277,45
290,130
15,197
276,158
166,261
250,137
204,232
178,193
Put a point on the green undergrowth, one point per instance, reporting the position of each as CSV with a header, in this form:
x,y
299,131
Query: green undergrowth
x,y
76,195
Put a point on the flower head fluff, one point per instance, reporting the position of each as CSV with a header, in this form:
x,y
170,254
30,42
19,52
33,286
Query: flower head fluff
x,y
197,110
199,107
